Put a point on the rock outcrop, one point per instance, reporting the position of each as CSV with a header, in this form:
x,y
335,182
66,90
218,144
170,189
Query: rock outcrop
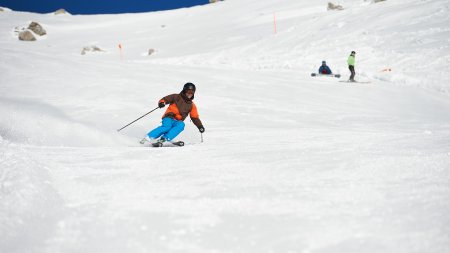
x,y
37,29
4,9
26,35
29,34
332,7
91,49
61,11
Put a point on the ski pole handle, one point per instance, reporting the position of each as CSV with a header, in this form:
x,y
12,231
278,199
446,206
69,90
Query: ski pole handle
x,y
118,130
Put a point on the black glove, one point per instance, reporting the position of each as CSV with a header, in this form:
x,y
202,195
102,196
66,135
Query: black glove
x,y
201,129
161,104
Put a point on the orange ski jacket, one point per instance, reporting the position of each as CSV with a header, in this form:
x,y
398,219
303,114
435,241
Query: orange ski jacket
x,y
180,107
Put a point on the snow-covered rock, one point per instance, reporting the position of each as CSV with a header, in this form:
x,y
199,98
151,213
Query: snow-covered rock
x,y
27,35
37,28
61,12
4,9
332,6
92,49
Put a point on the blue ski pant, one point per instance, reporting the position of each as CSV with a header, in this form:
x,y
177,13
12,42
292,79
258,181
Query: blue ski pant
x,y
169,129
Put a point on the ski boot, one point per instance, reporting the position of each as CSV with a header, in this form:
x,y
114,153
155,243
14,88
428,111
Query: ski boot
x,y
145,140
159,143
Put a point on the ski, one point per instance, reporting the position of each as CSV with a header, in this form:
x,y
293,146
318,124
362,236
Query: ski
x,y
157,144
175,143
330,75
178,143
354,81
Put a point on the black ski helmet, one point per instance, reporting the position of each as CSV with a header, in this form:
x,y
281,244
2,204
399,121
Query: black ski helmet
x,y
189,86
353,52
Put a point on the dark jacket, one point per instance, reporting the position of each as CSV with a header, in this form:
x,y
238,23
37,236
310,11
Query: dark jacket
x,y
324,69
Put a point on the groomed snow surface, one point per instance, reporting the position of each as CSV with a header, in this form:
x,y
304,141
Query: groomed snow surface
x,y
288,163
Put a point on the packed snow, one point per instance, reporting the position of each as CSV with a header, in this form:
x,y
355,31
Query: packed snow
x,y
288,162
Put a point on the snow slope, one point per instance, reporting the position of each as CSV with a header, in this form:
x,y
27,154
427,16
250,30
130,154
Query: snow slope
x,y
289,163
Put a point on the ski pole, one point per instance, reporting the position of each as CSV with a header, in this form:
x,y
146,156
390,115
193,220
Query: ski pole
x,y
138,118
201,135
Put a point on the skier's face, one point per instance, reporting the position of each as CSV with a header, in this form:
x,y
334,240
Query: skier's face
x,y
189,93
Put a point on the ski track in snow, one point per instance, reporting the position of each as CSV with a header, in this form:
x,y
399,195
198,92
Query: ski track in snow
x,y
289,163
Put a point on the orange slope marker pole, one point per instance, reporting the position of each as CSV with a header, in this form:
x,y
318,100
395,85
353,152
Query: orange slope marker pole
x,y
274,23
121,53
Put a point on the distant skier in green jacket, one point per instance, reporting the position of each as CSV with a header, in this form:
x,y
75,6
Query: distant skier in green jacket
x,y
351,66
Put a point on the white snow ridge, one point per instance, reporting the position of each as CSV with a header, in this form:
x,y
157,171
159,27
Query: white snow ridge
x,y
288,162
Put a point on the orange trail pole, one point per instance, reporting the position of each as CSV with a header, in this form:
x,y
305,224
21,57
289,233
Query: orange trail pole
x,y
274,23
121,53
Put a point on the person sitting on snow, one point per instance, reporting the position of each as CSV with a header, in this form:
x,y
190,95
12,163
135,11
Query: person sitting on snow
x,y
324,69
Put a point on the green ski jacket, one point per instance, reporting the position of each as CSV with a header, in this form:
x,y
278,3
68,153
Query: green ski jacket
x,y
351,60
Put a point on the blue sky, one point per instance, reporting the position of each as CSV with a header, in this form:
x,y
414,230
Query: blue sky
x,y
98,6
